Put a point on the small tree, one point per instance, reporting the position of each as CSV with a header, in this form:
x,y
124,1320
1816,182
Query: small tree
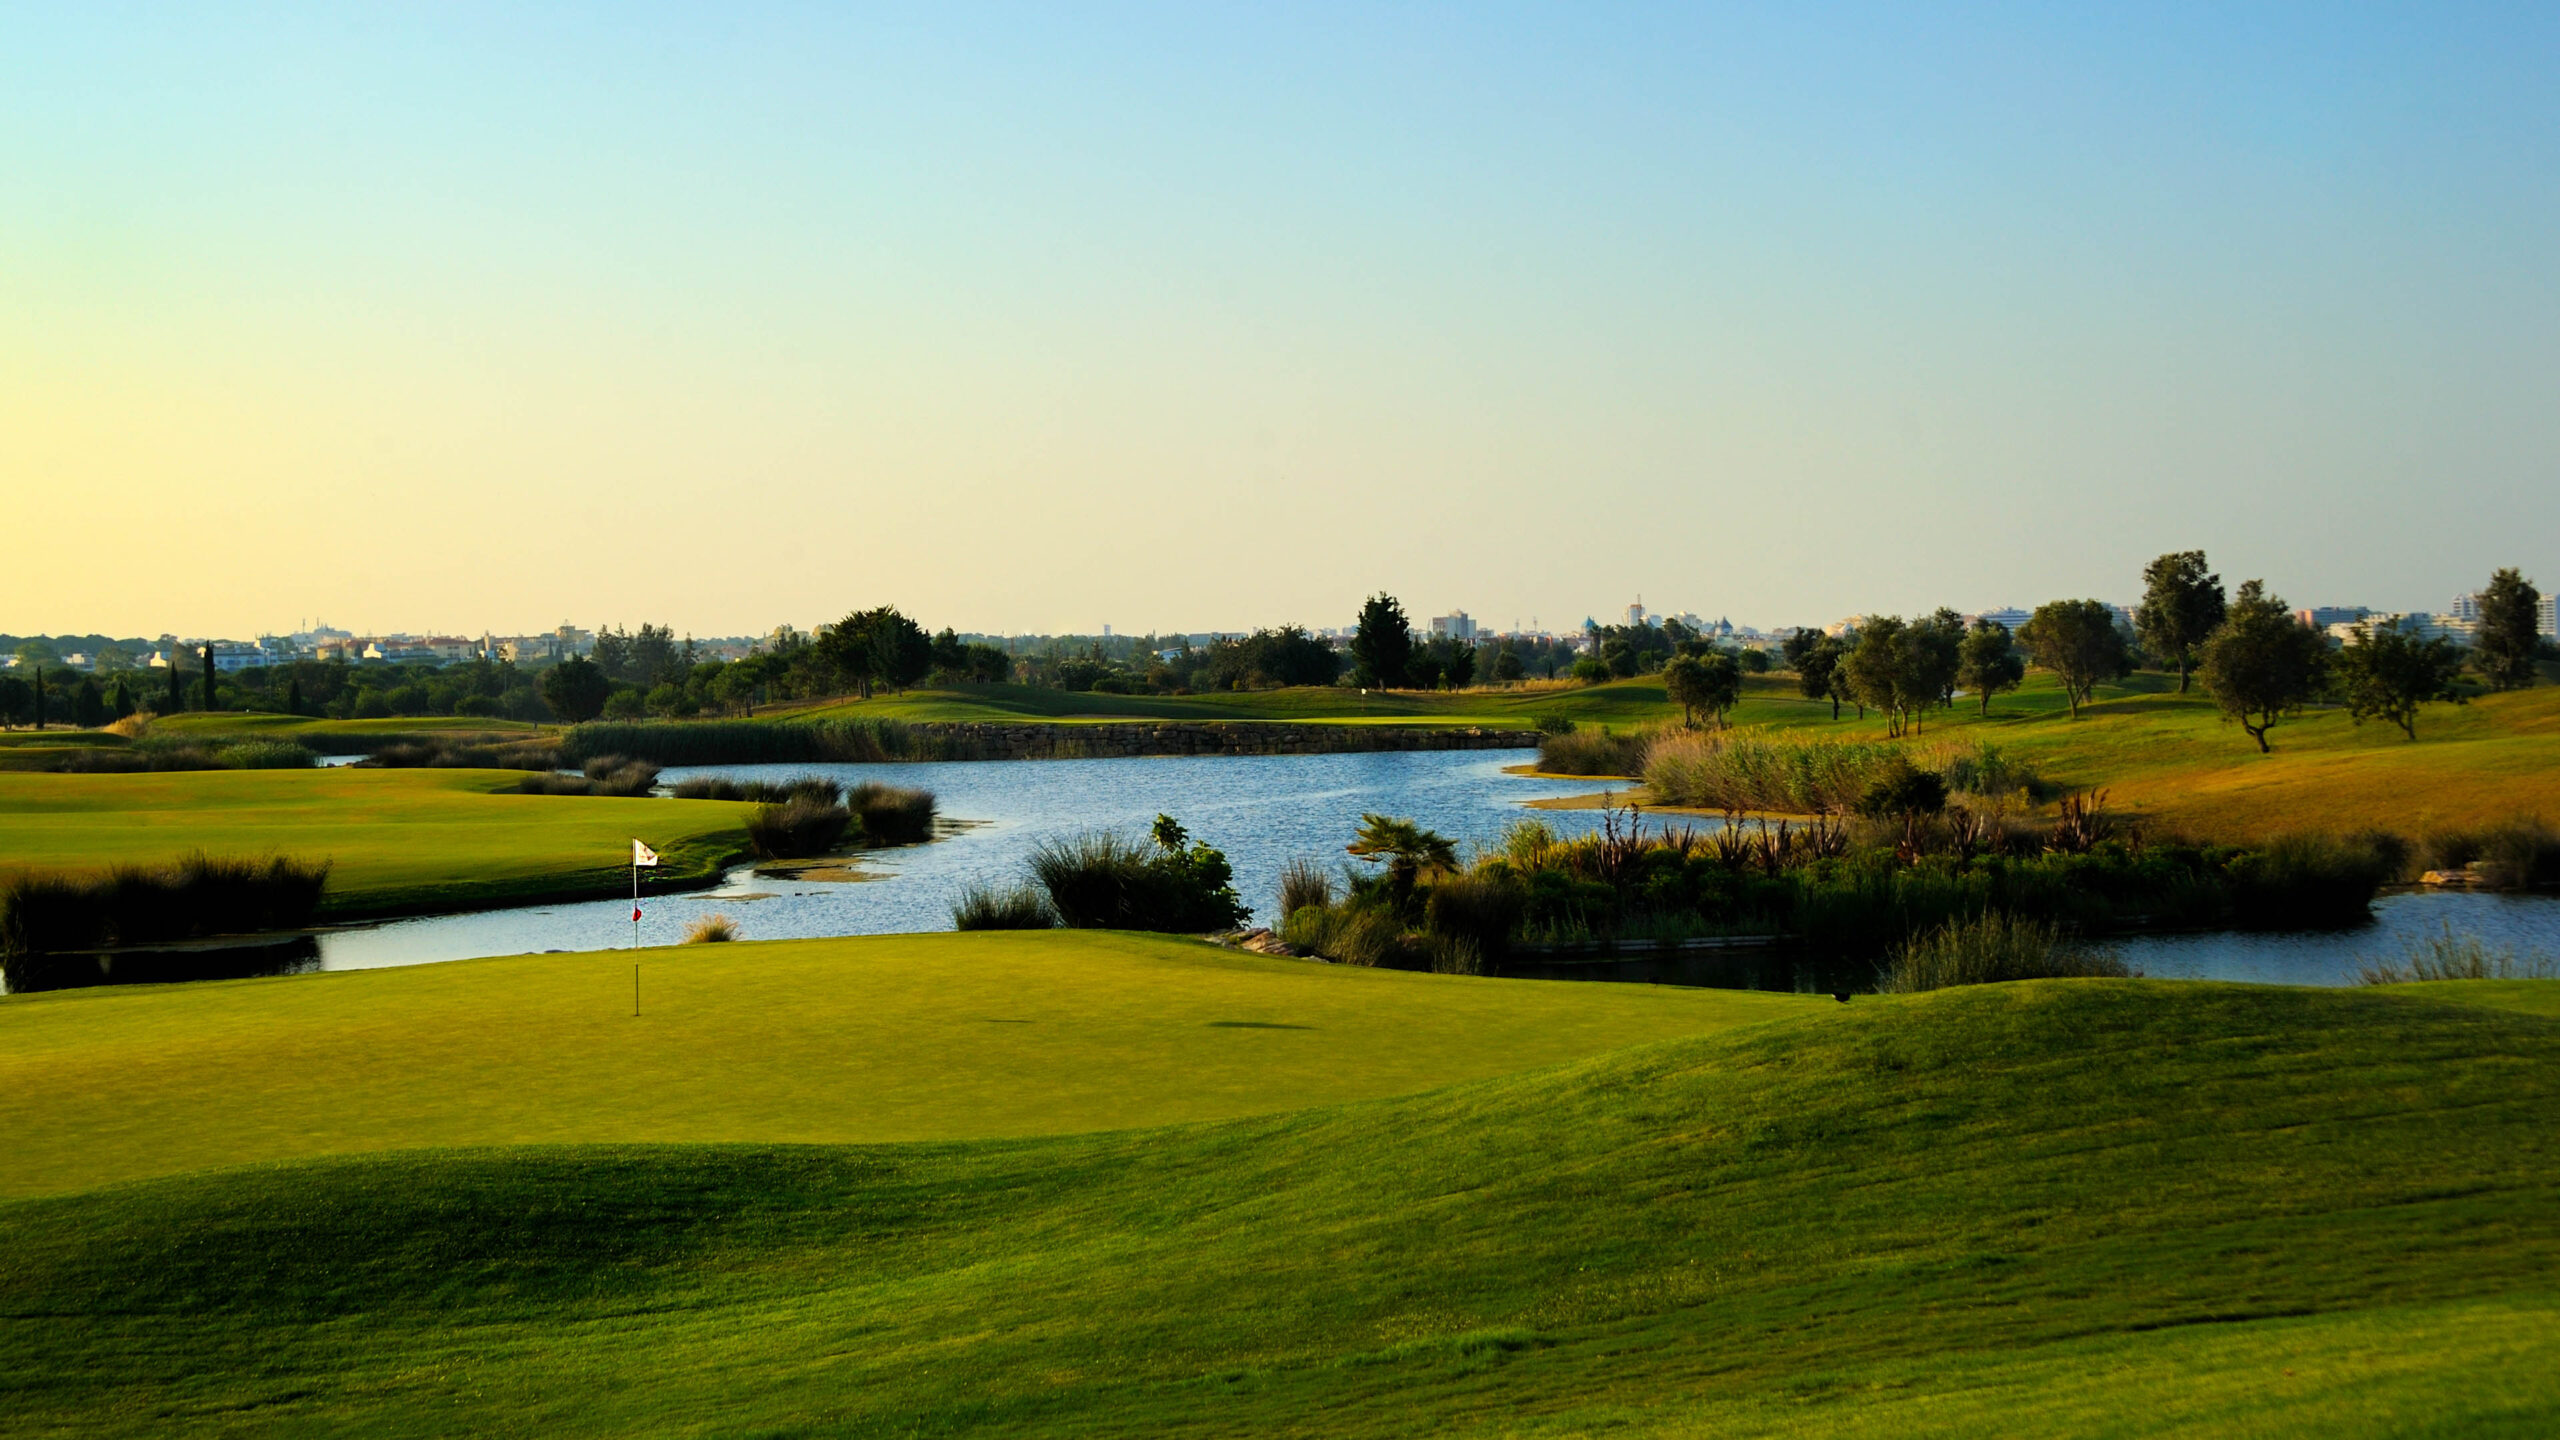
x,y
293,695
1712,682
2262,664
2386,674
1815,657
576,690
1506,664
177,690
88,704
1990,663
2078,641
39,697
1382,645
2181,604
2509,626
208,677
1407,850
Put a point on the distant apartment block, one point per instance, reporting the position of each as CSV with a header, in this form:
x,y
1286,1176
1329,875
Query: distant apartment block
x,y
1456,626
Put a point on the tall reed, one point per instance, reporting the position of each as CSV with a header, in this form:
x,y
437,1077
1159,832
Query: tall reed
x,y
892,814
1990,950
1748,770
193,897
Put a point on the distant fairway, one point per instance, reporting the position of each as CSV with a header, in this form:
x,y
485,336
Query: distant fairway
x,y
399,839
930,1037
2067,1208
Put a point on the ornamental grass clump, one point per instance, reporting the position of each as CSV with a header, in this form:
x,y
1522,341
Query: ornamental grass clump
x,y
2448,956
892,814
186,899
1992,949
1746,770
2521,854
1101,881
1303,882
986,907
801,826
711,930
1597,750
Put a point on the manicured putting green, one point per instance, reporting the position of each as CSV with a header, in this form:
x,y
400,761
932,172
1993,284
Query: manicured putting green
x,y
925,1037
398,839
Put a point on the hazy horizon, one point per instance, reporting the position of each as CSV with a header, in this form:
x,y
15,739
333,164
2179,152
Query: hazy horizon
x,y
1027,320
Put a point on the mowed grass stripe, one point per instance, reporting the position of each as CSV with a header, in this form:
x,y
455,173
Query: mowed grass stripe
x,y
926,1037
2083,1207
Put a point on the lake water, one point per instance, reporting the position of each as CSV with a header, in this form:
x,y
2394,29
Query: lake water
x,y
1263,811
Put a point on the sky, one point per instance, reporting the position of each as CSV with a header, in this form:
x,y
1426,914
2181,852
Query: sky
x,y
1039,318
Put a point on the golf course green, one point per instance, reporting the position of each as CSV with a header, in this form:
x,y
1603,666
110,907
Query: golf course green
x,y
397,840
2057,1208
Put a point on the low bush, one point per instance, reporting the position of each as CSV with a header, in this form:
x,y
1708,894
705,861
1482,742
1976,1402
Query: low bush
x,y
155,753
711,930
197,896
1596,751
801,826
463,752
2306,881
1348,935
758,742
890,814
1483,909
1992,949
984,907
2447,956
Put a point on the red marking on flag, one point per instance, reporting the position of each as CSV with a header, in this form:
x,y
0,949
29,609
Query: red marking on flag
x,y
635,914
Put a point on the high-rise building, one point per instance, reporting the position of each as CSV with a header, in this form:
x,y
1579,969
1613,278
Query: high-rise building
x,y
1457,626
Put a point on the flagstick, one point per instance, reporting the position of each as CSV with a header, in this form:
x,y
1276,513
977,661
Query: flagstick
x,y
635,989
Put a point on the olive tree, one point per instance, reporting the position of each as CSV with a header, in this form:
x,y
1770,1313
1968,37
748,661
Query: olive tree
x,y
2078,641
1990,663
2261,664
2181,603
1710,682
2387,673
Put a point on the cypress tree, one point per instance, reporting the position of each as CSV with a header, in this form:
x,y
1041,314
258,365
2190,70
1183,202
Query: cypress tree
x,y
293,695
177,696
39,697
208,676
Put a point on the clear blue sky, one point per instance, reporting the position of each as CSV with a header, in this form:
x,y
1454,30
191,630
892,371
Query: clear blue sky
x,y
1045,317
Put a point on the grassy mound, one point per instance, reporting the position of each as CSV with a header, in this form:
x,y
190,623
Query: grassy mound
x,y
913,1037
2057,1208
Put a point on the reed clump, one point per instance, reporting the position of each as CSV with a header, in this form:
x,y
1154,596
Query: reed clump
x,y
1992,949
891,814
759,742
1303,882
1018,907
761,792
1747,770
189,898
2522,854
463,752
171,753
1595,750
800,826
2448,956
711,930
604,775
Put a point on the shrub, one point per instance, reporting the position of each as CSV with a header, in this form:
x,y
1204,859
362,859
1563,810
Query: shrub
x,y
1597,751
757,742
2447,956
710,930
983,907
762,792
1483,909
1303,882
800,826
892,815
1103,881
2308,881
466,752
203,753
1980,769
616,775
1990,950
1347,934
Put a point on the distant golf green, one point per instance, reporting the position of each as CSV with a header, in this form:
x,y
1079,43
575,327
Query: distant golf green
x,y
2064,1208
398,839
919,1037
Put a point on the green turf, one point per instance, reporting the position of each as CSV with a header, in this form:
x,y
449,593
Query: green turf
x,y
915,1037
2066,1208
1638,701
398,839
228,722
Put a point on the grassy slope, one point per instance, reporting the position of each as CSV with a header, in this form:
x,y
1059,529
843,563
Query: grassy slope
x,y
2083,1208
400,839
226,722
896,1038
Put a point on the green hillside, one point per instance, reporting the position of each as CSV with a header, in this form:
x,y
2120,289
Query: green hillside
x,y
2071,1208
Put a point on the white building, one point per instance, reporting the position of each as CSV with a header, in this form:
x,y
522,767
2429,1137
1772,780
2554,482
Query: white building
x,y
1457,626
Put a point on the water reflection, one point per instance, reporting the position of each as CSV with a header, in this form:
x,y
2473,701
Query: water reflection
x,y
206,960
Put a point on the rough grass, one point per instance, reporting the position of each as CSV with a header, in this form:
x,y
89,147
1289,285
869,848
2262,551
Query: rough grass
x,y
398,840
2058,1208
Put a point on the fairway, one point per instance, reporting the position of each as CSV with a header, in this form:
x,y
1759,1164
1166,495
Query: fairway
x,y
398,840
928,1037
2062,1208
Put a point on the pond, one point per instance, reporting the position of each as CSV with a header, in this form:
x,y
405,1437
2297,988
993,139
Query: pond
x,y
1263,811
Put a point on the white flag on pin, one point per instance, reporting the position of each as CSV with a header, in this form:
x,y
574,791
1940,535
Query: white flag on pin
x,y
642,854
